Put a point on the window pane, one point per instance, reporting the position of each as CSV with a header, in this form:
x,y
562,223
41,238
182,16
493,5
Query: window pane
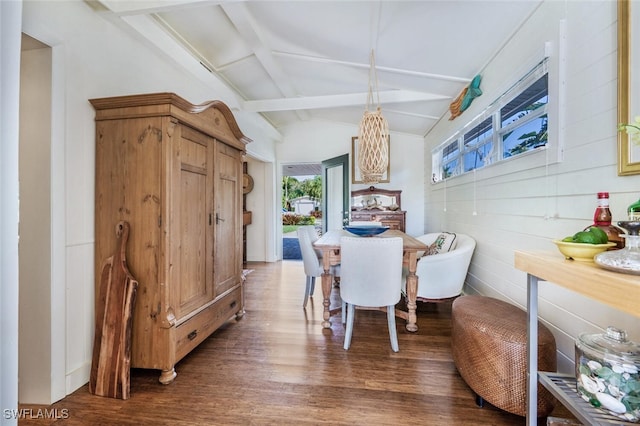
x,y
532,98
477,158
450,151
530,135
478,134
450,169
514,123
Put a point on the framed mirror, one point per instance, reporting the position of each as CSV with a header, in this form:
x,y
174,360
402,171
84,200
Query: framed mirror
x,y
628,83
373,198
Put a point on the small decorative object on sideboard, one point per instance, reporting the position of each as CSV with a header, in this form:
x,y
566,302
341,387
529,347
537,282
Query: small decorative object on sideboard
x,y
607,367
628,259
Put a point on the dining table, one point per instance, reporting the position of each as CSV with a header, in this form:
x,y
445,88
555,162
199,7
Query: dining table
x,y
329,244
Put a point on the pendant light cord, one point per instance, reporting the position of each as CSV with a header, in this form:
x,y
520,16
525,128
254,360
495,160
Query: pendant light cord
x,y
373,78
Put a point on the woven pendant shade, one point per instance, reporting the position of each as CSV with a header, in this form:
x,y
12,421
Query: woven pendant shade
x,y
373,155
373,134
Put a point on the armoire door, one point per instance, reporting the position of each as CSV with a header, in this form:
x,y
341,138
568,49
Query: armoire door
x,y
228,218
193,220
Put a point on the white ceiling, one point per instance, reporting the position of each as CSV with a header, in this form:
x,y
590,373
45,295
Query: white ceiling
x,y
302,169
303,60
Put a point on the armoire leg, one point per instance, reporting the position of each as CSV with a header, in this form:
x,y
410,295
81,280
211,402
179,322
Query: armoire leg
x,y
167,376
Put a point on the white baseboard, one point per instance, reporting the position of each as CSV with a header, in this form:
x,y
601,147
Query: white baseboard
x,y
78,378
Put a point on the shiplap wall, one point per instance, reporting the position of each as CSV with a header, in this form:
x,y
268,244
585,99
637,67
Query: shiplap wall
x,y
526,202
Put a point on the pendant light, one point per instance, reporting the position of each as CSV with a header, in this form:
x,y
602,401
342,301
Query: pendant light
x,y
373,135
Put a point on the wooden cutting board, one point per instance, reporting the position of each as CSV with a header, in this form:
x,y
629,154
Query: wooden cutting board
x,y
110,367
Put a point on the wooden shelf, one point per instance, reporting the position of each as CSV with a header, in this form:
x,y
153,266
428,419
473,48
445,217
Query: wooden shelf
x,y
618,290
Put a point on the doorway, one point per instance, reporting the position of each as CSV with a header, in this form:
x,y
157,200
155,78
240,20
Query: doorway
x,y
313,193
301,204
41,380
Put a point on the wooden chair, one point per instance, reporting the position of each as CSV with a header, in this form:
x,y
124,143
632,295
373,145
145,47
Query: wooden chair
x,y
371,276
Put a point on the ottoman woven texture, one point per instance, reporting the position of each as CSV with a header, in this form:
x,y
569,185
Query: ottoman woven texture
x,y
489,345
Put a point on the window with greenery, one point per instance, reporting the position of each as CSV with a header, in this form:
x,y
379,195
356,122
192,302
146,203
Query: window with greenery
x,y
513,124
478,145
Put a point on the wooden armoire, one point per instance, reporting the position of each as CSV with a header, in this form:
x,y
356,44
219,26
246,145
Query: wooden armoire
x,y
173,171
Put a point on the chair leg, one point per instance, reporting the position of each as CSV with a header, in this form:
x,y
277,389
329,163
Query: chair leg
x,y
393,334
347,335
307,290
313,286
344,312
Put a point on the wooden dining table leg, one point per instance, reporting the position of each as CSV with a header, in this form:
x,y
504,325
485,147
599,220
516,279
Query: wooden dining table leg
x,y
412,292
327,278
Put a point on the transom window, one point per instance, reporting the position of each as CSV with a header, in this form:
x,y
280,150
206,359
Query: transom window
x,y
513,124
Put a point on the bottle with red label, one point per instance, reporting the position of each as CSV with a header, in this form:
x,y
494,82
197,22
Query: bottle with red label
x,y
602,219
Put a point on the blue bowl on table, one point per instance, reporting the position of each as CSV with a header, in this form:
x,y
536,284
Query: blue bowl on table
x,y
366,231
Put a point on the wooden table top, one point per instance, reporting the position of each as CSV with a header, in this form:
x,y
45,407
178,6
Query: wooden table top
x,y
331,239
621,291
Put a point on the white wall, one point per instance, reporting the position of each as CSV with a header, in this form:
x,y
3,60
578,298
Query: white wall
x,y
10,18
262,201
525,203
94,58
35,227
258,205
315,141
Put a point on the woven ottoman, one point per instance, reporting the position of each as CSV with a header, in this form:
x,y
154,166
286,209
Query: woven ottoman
x,y
489,345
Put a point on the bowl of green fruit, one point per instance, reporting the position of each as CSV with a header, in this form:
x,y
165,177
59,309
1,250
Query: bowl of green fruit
x,y
584,245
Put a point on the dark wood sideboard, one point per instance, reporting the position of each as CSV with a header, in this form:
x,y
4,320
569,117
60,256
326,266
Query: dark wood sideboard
x,y
378,205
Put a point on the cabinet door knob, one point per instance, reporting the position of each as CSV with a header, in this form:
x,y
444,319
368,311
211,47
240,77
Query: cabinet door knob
x,y
192,335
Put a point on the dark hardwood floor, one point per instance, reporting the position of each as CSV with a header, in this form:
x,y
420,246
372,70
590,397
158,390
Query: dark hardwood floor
x,y
278,366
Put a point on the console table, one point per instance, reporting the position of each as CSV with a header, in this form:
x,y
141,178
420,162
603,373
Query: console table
x,y
620,291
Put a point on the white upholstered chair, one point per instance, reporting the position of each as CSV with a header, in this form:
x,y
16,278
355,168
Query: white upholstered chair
x,y
313,237
312,260
441,276
371,276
